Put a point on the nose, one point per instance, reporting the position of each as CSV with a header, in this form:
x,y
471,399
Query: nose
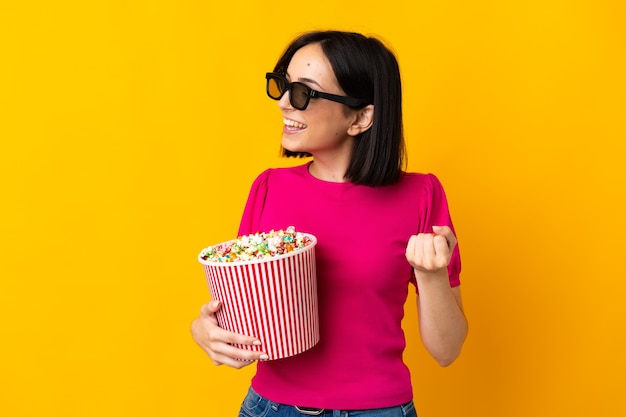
x,y
285,101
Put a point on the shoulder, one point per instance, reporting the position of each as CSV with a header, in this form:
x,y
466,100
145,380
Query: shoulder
x,y
426,188
280,175
428,181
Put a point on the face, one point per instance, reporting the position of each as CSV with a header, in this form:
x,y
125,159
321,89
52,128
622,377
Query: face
x,y
324,127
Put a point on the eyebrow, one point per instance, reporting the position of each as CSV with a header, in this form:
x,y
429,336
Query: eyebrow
x,y
305,80
308,80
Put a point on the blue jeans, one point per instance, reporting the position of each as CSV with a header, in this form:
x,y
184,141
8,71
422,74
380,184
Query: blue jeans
x,y
256,406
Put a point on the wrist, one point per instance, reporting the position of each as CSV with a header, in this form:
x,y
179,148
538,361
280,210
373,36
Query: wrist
x,y
434,278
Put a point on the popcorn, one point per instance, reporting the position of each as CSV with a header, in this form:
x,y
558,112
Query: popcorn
x,y
257,246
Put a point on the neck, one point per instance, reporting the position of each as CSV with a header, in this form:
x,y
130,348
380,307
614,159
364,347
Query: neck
x,y
328,172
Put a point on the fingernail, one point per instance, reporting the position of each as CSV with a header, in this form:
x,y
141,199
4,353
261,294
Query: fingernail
x,y
256,343
437,228
264,357
215,303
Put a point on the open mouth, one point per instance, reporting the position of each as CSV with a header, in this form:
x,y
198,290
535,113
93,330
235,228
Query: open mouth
x,y
293,125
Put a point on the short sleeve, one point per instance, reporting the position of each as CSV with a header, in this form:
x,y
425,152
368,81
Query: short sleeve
x,y
435,212
255,204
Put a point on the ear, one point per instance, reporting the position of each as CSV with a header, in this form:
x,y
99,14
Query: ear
x,y
363,120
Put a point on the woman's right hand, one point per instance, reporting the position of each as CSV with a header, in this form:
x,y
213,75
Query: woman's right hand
x,y
218,343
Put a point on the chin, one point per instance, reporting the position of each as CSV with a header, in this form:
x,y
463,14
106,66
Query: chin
x,y
291,147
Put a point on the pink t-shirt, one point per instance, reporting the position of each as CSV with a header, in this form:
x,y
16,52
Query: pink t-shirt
x,y
363,280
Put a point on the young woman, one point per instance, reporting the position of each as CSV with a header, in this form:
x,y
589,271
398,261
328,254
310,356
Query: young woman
x,y
378,229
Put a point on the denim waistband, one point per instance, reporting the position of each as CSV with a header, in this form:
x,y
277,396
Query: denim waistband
x,y
255,405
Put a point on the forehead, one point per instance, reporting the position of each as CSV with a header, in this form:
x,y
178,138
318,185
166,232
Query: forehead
x,y
310,62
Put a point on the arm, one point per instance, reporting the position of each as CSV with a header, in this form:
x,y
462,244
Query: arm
x,y
443,326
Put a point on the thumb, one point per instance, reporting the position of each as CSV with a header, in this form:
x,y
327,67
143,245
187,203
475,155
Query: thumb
x,y
210,308
446,232
441,244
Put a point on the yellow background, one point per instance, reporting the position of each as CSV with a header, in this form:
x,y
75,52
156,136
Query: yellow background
x,y
130,132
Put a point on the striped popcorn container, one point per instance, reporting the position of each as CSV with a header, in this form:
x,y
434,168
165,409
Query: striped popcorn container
x,y
273,299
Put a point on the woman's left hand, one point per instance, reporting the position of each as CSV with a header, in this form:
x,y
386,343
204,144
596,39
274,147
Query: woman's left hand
x,y
431,252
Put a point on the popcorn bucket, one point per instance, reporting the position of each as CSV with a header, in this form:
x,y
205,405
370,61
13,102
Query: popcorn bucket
x,y
273,299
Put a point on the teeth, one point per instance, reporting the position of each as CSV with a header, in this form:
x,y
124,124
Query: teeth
x,y
293,123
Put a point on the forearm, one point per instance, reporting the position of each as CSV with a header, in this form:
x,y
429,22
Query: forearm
x,y
443,326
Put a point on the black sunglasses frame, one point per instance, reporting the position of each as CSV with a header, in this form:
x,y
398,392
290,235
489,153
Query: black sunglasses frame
x,y
281,80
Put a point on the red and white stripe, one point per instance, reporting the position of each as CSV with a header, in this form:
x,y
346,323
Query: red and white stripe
x,y
273,299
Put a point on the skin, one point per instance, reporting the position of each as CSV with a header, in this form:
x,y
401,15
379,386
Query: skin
x,y
442,324
327,130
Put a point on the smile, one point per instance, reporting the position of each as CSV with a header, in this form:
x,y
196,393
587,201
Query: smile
x,y
294,124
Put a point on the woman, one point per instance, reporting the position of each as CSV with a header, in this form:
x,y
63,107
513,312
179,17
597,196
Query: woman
x,y
378,229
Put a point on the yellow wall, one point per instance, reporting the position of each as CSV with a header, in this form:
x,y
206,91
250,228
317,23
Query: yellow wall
x,y
130,132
